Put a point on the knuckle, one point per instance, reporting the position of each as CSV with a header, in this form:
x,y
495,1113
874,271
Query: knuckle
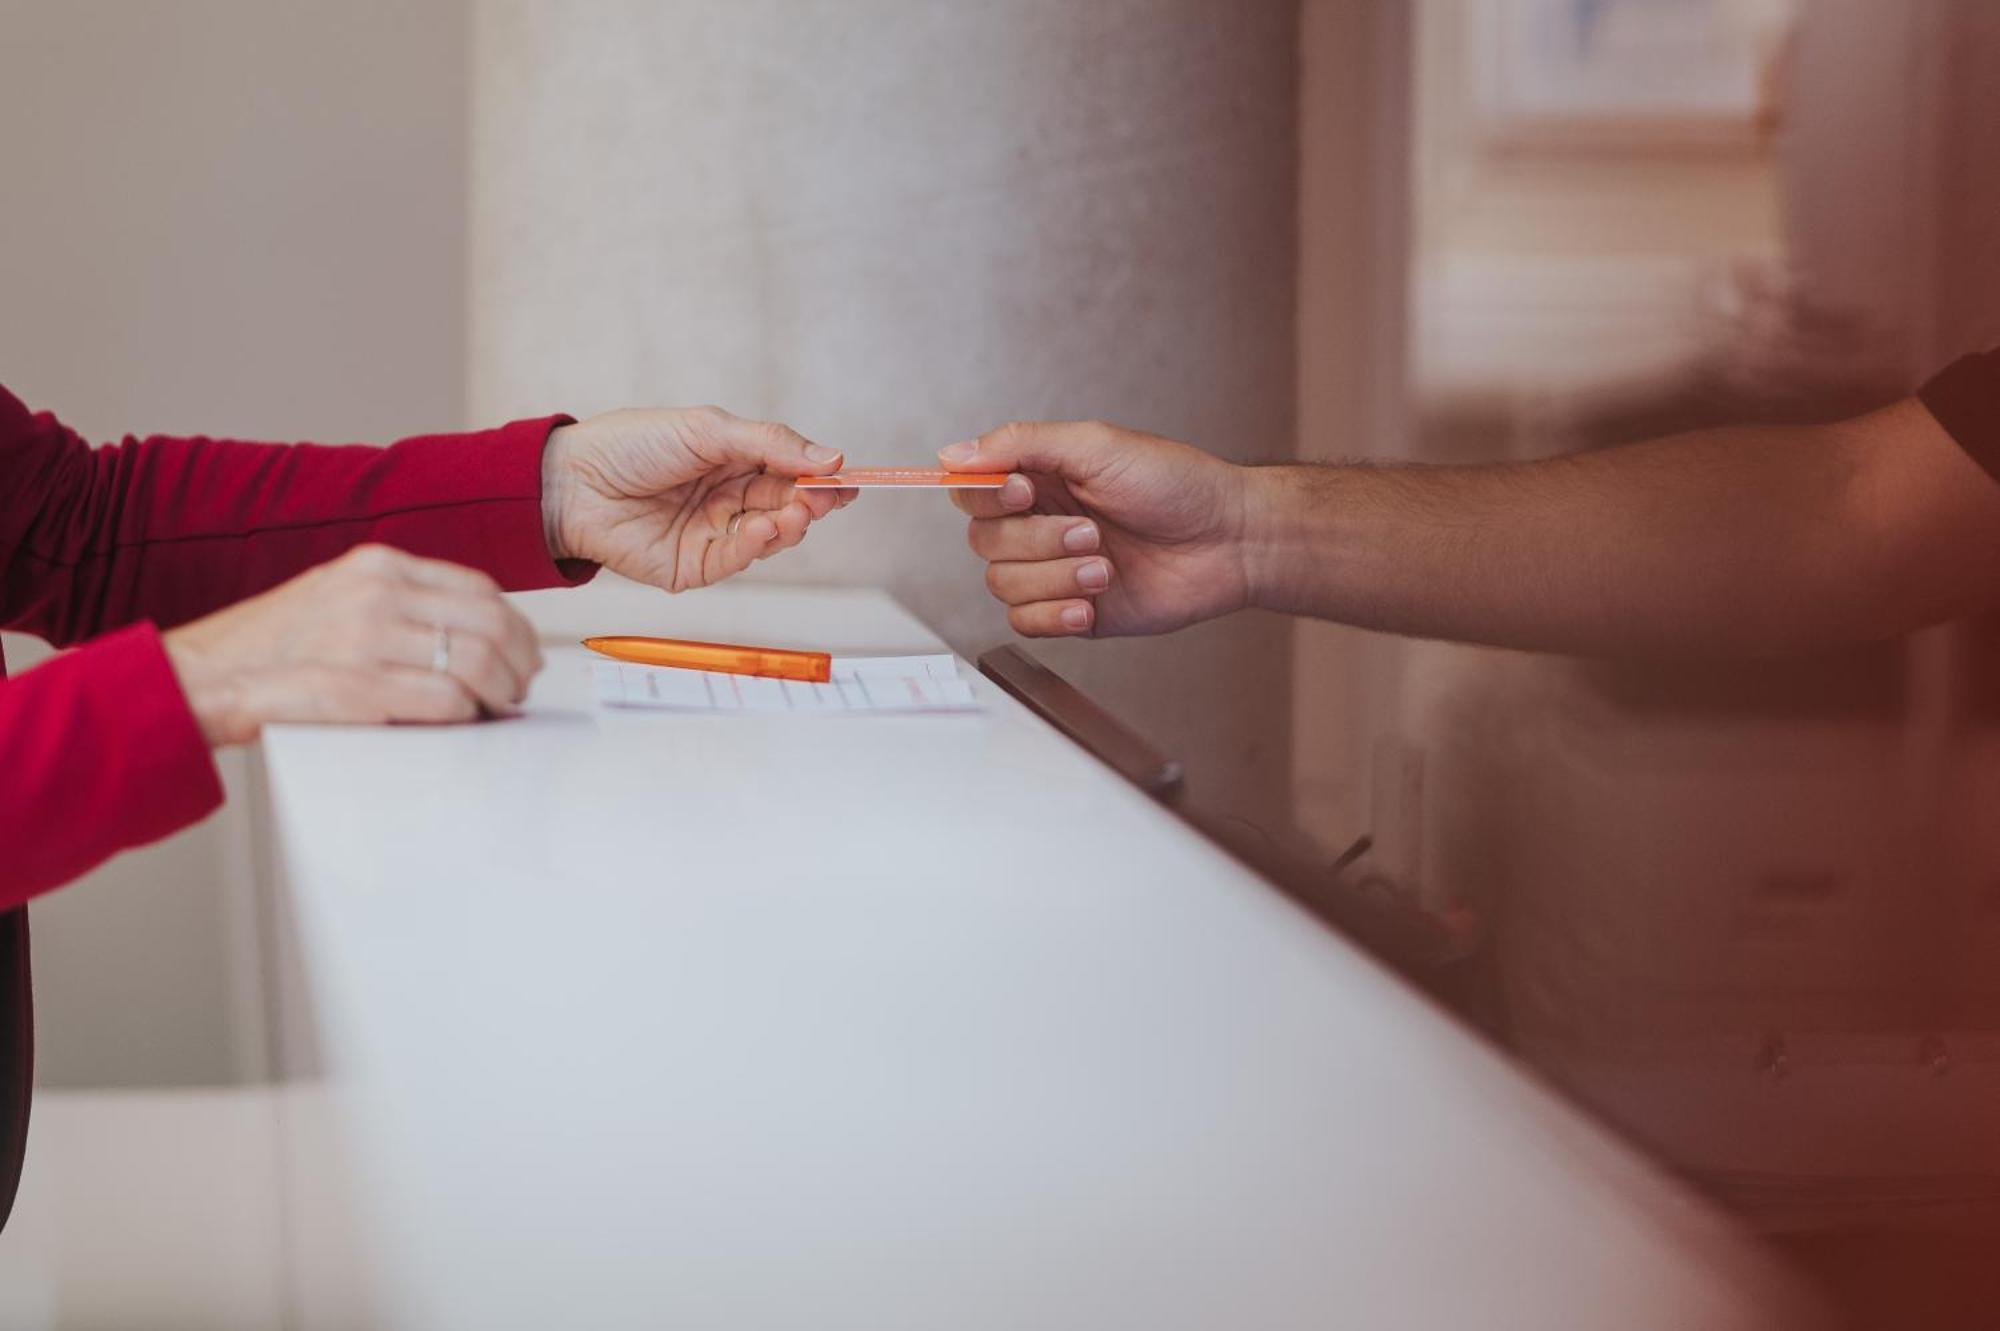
x,y
349,695
373,557
487,618
446,700
376,600
476,653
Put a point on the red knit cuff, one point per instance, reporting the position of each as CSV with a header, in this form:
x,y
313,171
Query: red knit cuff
x,y
498,476
103,754
168,763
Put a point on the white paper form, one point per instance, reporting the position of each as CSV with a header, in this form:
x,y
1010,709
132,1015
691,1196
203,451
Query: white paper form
x,y
859,684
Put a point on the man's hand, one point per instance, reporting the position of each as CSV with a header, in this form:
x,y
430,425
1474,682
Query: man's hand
x,y
374,636
679,498
1752,541
1105,531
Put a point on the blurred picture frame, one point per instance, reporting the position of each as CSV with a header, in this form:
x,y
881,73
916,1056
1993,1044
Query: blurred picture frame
x,y
1666,75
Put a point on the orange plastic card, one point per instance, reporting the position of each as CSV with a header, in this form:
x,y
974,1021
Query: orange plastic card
x,y
907,478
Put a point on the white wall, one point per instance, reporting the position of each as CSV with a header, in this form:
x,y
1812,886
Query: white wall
x,y
894,225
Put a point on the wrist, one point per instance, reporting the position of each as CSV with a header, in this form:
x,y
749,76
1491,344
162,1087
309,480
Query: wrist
x,y
558,492
1263,536
212,694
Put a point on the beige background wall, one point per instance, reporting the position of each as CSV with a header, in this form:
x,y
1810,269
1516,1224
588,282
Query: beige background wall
x,y
229,216
894,225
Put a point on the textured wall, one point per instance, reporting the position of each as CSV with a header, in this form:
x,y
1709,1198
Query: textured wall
x,y
894,224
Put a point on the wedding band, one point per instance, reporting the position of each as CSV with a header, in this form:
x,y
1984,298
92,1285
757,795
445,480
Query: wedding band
x,y
735,521
440,650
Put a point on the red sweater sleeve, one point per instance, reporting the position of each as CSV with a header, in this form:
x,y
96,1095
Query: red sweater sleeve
x,y
98,750
100,754
169,529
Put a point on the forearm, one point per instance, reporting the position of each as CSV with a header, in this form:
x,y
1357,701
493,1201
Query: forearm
x,y
1739,541
170,529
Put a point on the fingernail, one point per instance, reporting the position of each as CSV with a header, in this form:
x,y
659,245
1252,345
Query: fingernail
x,y
961,452
1017,492
820,453
1080,539
1076,617
1094,576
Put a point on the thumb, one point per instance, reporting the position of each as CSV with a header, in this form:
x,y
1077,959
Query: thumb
x,y
775,448
1073,450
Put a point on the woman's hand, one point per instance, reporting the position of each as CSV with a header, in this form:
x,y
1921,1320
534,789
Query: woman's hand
x,y
679,498
374,636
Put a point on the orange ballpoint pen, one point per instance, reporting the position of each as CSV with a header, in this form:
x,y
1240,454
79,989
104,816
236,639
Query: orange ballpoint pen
x,y
770,662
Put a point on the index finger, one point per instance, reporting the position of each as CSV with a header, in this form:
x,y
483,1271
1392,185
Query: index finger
x,y
768,445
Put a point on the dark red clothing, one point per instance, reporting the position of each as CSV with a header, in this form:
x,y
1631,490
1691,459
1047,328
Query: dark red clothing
x,y
102,547
1965,397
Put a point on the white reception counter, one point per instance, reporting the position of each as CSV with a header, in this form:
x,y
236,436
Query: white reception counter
x,y
747,1021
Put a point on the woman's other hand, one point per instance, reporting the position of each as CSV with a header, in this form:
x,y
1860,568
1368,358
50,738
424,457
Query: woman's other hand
x,y
374,636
